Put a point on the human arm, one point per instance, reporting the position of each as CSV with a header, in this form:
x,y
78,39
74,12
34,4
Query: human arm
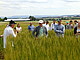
x,y
57,30
75,30
13,34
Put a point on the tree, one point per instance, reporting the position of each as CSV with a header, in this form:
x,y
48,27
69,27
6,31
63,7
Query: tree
x,y
32,18
5,18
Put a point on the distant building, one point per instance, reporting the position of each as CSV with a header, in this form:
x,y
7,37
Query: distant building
x,y
17,20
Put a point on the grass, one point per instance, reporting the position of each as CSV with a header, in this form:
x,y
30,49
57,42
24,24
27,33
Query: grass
x,y
50,48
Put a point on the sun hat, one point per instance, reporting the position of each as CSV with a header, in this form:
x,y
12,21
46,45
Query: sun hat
x,y
40,21
11,22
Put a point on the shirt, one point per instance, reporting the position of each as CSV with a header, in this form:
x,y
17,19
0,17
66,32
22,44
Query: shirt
x,y
47,27
18,28
59,29
53,25
44,24
76,25
31,28
8,31
41,32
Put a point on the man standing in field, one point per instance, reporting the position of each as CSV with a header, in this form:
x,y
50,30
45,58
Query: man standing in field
x,y
59,29
31,27
53,24
70,26
40,30
75,23
9,31
77,30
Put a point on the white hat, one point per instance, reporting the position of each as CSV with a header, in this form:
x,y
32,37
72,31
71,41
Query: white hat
x,y
40,21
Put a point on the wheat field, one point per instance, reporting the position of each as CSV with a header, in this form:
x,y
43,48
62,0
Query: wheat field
x,y
50,48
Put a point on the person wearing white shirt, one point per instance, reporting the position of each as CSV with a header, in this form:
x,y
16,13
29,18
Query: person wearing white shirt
x,y
47,26
53,24
75,23
18,28
44,24
9,31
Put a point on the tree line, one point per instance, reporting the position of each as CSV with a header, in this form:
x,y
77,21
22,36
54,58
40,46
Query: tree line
x,y
32,18
2,19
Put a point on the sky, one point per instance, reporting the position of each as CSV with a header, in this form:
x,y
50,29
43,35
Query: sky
x,y
39,7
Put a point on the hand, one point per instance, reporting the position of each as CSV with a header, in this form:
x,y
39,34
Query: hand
x,y
77,34
1,35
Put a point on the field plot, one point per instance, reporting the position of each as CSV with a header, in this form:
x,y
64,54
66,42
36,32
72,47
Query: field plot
x,y
50,48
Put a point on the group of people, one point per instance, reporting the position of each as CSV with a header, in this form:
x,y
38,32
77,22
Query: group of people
x,y
58,28
42,29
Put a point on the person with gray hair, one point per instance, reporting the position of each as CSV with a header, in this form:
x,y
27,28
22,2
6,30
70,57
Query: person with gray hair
x,y
59,29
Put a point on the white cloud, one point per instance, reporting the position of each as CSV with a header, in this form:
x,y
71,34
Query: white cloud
x,y
33,7
73,0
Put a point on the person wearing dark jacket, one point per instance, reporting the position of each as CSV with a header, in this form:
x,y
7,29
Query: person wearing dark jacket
x,y
77,29
40,30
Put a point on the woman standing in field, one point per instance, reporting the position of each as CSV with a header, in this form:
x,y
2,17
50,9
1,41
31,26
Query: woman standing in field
x,y
77,30
18,28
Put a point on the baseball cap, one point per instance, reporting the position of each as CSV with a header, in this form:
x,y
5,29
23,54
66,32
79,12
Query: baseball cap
x,y
40,21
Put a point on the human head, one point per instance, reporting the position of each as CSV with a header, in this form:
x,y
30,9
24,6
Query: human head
x,y
75,21
18,25
12,23
47,22
54,21
79,24
30,23
67,22
40,23
70,22
59,22
43,22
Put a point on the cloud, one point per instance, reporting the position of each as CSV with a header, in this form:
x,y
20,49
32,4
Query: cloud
x,y
30,1
16,7
72,0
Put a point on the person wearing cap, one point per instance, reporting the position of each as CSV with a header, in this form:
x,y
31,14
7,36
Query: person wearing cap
x,y
40,30
31,27
67,25
53,24
9,31
59,29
